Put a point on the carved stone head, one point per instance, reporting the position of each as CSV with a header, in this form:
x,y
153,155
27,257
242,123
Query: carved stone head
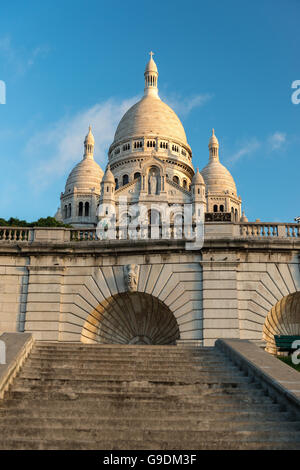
x,y
131,275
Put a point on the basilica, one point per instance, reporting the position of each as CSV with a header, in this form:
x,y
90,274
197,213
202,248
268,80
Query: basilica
x,y
149,163
84,283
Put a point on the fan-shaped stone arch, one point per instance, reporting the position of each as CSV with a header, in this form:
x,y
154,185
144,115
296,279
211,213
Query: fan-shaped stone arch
x,y
283,319
176,286
131,318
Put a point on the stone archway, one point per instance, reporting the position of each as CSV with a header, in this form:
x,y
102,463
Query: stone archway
x,y
282,319
131,318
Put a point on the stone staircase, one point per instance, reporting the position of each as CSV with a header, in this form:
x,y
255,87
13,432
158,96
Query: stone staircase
x,y
76,396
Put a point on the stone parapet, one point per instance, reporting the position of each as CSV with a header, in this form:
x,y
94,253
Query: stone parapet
x,y
17,348
279,380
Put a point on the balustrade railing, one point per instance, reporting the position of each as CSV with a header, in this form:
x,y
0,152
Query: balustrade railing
x,y
269,230
292,230
15,234
160,231
154,231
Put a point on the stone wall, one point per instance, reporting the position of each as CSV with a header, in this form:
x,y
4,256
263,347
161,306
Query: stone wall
x,y
50,285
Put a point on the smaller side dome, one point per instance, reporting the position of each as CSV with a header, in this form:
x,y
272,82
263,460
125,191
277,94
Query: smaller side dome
x,y
87,174
217,178
198,178
108,176
244,218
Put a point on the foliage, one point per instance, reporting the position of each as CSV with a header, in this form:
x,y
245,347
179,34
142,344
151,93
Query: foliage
x,y
41,222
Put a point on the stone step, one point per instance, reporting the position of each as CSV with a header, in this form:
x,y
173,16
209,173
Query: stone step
x,y
147,444
129,352
113,364
140,396
75,396
139,388
44,345
147,424
129,357
141,405
38,372
188,393
47,364
148,379
113,415
125,353
114,435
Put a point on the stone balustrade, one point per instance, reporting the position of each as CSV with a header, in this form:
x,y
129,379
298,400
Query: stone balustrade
x,y
212,230
261,229
16,234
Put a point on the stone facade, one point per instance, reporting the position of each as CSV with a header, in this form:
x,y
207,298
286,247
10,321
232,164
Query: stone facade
x,y
64,290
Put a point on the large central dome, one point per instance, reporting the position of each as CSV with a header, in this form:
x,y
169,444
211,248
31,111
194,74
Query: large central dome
x,y
150,116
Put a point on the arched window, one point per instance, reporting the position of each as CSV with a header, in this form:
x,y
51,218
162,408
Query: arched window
x,y
184,184
137,175
87,209
65,212
154,217
221,208
215,208
69,210
80,209
116,183
125,179
176,179
236,215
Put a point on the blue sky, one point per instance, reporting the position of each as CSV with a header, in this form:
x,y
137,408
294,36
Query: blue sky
x,y
223,64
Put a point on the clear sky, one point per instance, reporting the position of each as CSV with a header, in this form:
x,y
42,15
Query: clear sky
x,y
227,64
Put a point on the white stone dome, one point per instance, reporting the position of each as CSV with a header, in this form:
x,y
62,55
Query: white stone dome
x,y
150,116
108,176
198,178
218,179
85,176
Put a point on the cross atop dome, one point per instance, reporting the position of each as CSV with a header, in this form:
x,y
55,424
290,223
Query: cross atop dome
x,y
151,54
